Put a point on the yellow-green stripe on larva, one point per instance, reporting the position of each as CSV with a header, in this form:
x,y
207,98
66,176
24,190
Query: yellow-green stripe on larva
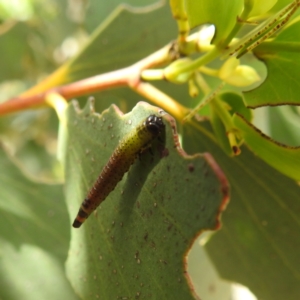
x,y
119,163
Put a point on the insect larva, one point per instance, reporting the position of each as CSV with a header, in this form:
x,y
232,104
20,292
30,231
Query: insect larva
x,y
118,164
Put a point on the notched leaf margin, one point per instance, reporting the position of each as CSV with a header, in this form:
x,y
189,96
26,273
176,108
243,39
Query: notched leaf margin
x,y
89,109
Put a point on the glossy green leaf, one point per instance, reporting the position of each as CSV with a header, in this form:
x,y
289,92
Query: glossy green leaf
x,y
258,244
281,157
34,237
282,59
219,13
135,244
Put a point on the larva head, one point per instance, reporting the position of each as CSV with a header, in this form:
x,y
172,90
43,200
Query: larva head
x,y
154,124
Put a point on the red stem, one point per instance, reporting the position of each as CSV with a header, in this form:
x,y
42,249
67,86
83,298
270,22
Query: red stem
x,y
129,76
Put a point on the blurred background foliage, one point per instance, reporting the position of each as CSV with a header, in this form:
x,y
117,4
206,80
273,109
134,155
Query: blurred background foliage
x,y
32,37
35,39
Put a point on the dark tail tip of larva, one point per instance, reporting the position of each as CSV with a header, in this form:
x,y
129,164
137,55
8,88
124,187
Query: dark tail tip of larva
x,y
81,217
76,223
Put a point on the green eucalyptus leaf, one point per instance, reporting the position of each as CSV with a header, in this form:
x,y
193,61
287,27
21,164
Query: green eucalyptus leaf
x,y
258,245
34,237
219,13
99,10
31,37
284,125
11,61
114,45
136,243
259,237
281,157
281,56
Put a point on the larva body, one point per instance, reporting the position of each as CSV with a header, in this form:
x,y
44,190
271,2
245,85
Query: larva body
x,y
118,164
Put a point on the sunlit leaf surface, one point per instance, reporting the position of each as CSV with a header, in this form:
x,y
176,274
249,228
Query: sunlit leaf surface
x,y
283,62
